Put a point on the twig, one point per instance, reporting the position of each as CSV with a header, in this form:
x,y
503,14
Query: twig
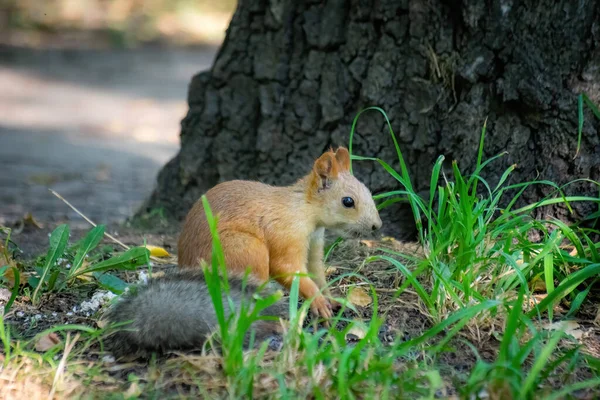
x,y
89,220
108,235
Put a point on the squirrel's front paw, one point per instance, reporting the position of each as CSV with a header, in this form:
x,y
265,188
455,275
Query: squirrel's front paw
x,y
320,306
335,305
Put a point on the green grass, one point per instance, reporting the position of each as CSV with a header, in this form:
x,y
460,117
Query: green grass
x,y
55,276
476,249
66,268
475,285
528,358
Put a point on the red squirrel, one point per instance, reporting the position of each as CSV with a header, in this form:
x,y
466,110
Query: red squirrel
x,y
278,231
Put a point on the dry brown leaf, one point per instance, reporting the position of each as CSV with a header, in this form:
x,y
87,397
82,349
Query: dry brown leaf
x,y
538,285
4,259
369,243
28,220
157,251
359,297
133,391
9,274
87,277
569,327
46,342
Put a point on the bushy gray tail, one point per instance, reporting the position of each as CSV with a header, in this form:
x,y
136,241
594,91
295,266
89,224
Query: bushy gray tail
x,y
176,312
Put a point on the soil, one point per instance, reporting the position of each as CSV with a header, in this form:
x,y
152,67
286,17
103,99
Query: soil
x,y
404,317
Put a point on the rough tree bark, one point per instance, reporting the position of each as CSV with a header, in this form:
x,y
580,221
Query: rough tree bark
x,y
291,76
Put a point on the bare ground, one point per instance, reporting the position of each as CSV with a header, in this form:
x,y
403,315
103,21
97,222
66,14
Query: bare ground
x,y
94,125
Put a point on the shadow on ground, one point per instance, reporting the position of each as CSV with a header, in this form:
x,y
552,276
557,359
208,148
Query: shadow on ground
x,y
94,125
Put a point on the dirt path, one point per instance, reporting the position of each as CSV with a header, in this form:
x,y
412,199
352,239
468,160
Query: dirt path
x,y
96,126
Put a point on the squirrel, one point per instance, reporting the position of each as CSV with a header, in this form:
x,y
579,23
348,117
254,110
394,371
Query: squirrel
x,y
175,312
278,231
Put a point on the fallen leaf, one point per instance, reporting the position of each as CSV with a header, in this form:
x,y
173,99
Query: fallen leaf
x,y
102,323
87,277
28,220
569,327
46,342
358,331
157,251
369,243
330,270
5,258
359,297
9,273
134,391
538,285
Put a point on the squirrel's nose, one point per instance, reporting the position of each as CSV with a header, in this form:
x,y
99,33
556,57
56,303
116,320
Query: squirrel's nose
x,y
376,225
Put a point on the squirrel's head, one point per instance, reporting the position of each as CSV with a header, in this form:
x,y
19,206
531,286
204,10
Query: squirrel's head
x,y
344,203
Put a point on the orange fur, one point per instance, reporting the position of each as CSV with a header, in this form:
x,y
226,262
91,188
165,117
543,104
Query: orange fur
x,y
277,231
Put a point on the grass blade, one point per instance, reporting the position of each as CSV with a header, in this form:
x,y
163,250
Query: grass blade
x,y
88,244
540,362
15,290
549,277
58,242
561,393
566,286
130,260
512,324
330,248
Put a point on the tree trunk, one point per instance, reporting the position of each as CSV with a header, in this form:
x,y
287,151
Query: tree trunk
x,y
292,75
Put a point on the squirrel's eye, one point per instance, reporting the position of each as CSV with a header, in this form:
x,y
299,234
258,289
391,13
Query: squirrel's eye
x,y
348,202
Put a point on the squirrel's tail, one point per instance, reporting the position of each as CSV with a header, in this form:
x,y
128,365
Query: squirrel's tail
x,y
176,312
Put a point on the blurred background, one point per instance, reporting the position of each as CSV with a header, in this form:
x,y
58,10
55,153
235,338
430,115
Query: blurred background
x,y
92,93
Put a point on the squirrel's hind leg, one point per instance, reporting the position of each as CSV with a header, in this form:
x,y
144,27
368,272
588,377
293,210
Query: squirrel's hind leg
x,y
243,250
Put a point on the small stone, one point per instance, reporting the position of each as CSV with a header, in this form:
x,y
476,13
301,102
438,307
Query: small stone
x,y
143,277
108,359
98,299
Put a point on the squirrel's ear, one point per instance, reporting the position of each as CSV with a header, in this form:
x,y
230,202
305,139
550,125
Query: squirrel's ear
x,y
343,158
325,169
